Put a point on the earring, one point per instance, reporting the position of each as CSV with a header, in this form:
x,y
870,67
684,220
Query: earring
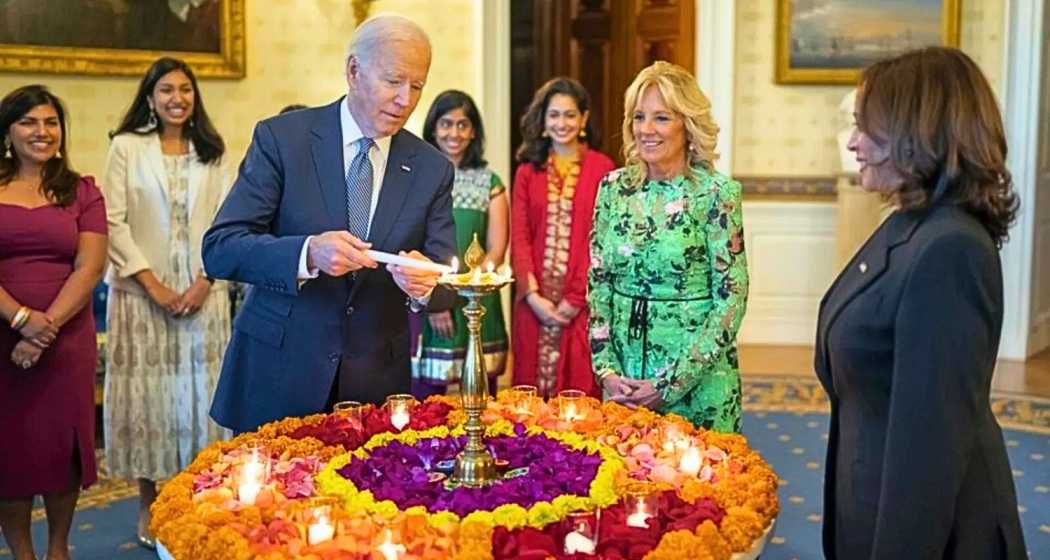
x,y
7,146
545,134
152,121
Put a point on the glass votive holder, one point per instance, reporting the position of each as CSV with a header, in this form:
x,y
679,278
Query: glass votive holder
x,y
571,403
524,399
351,410
580,532
639,508
400,408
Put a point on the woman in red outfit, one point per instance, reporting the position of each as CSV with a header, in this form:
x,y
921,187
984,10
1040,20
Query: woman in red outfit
x,y
52,253
552,209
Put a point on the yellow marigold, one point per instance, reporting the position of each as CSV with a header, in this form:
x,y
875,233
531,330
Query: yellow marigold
x,y
542,514
443,520
511,516
484,517
567,503
741,526
386,509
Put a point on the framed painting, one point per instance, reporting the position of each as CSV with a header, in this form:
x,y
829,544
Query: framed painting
x,y
121,37
830,41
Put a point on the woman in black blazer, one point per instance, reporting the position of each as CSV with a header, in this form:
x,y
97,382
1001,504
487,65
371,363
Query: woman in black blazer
x,y
908,333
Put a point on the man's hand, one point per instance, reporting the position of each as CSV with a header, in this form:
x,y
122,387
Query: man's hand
x,y
442,324
193,298
415,282
338,252
25,354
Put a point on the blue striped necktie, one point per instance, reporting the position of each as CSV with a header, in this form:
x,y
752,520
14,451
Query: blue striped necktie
x,y
359,190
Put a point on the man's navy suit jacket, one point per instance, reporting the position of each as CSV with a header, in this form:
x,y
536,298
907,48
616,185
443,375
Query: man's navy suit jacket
x,y
288,341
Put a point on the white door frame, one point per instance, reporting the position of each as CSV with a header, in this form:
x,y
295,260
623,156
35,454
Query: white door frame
x,y
1021,101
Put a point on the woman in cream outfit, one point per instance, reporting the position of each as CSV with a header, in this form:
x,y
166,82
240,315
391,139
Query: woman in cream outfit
x,y
168,322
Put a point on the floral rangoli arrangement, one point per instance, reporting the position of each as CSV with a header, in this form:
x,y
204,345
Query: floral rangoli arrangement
x,y
592,480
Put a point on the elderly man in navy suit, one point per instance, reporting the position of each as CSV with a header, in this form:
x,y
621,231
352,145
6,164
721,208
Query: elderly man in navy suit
x,y
323,321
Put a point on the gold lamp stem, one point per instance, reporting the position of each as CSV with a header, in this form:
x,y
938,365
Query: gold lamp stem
x,y
475,466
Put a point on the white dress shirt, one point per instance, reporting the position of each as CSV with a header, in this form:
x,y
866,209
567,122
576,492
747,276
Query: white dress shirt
x,y
351,133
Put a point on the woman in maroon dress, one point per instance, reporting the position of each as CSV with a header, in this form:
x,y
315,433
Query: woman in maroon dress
x,y
552,211
52,253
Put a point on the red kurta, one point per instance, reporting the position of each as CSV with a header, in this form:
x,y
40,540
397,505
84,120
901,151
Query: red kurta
x,y
47,411
528,227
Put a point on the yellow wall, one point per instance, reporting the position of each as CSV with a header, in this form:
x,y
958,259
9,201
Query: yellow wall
x,y
295,54
791,130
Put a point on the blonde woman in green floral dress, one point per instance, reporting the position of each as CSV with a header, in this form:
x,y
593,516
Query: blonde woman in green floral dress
x,y
668,277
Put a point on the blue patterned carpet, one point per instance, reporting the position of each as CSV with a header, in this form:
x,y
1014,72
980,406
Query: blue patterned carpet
x,y
785,419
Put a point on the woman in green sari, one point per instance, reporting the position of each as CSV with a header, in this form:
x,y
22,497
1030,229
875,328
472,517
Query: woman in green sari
x,y
668,277
479,207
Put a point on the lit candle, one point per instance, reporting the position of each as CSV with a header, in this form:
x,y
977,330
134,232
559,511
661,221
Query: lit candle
x,y
391,550
691,462
399,417
640,518
569,413
320,530
578,543
475,278
455,265
248,491
250,481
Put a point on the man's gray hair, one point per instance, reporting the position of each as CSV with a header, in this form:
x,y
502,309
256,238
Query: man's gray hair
x,y
384,29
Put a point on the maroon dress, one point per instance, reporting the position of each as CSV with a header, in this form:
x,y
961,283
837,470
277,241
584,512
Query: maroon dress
x,y
47,413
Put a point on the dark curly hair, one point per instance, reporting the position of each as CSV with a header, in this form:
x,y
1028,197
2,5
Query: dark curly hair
x,y
199,129
535,147
938,114
59,181
451,100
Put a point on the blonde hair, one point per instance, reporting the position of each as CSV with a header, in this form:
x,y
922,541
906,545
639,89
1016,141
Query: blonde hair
x,y
683,97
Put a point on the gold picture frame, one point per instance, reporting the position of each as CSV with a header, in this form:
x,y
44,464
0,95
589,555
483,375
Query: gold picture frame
x,y
222,28
870,30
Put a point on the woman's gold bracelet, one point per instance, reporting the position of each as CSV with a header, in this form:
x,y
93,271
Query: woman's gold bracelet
x,y
21,317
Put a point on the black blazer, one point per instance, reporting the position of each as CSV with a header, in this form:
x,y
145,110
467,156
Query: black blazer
x,y
906,345
288,342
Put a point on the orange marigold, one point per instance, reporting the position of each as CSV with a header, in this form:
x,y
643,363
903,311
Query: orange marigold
x,y
676,545
716,547
225,544
741,526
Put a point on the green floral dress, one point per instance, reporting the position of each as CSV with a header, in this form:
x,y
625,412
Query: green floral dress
x,y
668,290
